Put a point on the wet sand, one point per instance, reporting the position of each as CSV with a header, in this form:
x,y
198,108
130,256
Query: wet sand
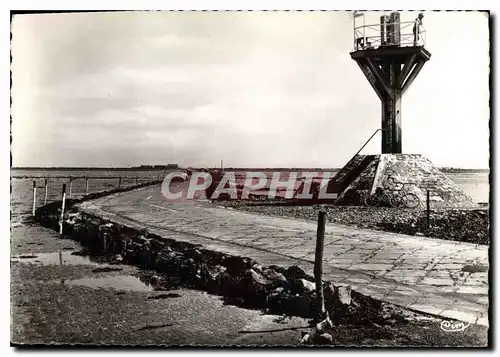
x,y
76,302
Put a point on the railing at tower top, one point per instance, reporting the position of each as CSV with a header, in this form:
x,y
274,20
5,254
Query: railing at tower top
x,y
373,36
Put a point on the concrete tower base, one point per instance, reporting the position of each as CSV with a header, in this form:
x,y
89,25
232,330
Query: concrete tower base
x,y
397,174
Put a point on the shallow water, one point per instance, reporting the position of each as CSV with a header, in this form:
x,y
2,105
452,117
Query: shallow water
x,y
475,184
56,258
119,282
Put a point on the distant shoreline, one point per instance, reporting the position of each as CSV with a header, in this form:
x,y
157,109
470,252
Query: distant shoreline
x,y
94,168
457,170
149,168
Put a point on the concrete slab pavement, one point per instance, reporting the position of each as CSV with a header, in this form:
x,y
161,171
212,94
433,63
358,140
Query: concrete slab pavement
x,y
423,274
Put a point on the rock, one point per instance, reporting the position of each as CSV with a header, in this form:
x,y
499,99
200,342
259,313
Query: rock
x,y
167,262
306,339
73,218
211,273
142,239
228,285
344,294
155,280
258,268
323,339
254,289
308,286
277,301
337,298
278,269
294,272
193,254
275,278
188,269
302,286
117,258
323,325
236,266
256,278
278,290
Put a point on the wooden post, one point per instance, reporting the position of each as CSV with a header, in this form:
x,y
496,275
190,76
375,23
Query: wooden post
x,y
104,241
119,182
70,186
86,185
158,176
34,197
136,180
46,184
318,263
428,210
63,200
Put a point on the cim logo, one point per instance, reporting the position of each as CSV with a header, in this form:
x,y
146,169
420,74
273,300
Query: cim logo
x,y
454,326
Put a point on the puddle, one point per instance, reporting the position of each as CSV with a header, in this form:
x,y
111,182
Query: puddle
x,y
122,282
56,258
165,296
476,268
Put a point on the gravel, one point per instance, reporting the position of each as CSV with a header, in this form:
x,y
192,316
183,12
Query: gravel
x,y
468,225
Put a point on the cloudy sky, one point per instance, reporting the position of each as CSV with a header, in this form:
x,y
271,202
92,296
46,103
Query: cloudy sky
x,y
256,89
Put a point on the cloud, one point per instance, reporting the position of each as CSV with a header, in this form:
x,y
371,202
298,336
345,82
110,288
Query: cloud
x,y
257,89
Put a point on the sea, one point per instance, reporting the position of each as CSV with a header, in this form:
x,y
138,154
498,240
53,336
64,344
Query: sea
x,y
473,182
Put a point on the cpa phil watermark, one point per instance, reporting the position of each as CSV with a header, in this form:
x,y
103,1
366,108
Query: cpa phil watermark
x,y
243,185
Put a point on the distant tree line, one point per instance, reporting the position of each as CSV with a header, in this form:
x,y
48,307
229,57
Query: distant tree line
x,y
138,168
284,169
458,170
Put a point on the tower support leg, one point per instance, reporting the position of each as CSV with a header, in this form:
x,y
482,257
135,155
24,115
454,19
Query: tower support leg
x,y
391,111
391,123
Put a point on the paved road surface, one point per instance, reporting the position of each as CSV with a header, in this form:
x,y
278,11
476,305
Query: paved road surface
x,y
428,275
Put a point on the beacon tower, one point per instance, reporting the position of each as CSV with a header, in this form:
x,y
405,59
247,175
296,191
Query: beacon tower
x,y
391,55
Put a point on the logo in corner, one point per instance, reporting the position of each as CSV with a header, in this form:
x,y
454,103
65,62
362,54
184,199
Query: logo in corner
x,y
449,326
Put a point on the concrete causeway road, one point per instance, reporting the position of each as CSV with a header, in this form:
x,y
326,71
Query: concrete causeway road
x,y
445,278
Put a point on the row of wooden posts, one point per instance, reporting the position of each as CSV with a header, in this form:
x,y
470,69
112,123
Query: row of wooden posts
x,y
63,194
70,193
63,202
46,185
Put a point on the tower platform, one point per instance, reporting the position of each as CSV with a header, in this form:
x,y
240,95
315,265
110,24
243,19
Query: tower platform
x,y
400,53
397,174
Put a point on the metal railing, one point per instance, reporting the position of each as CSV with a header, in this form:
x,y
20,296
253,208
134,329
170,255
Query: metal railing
x,y
370,37
367,141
